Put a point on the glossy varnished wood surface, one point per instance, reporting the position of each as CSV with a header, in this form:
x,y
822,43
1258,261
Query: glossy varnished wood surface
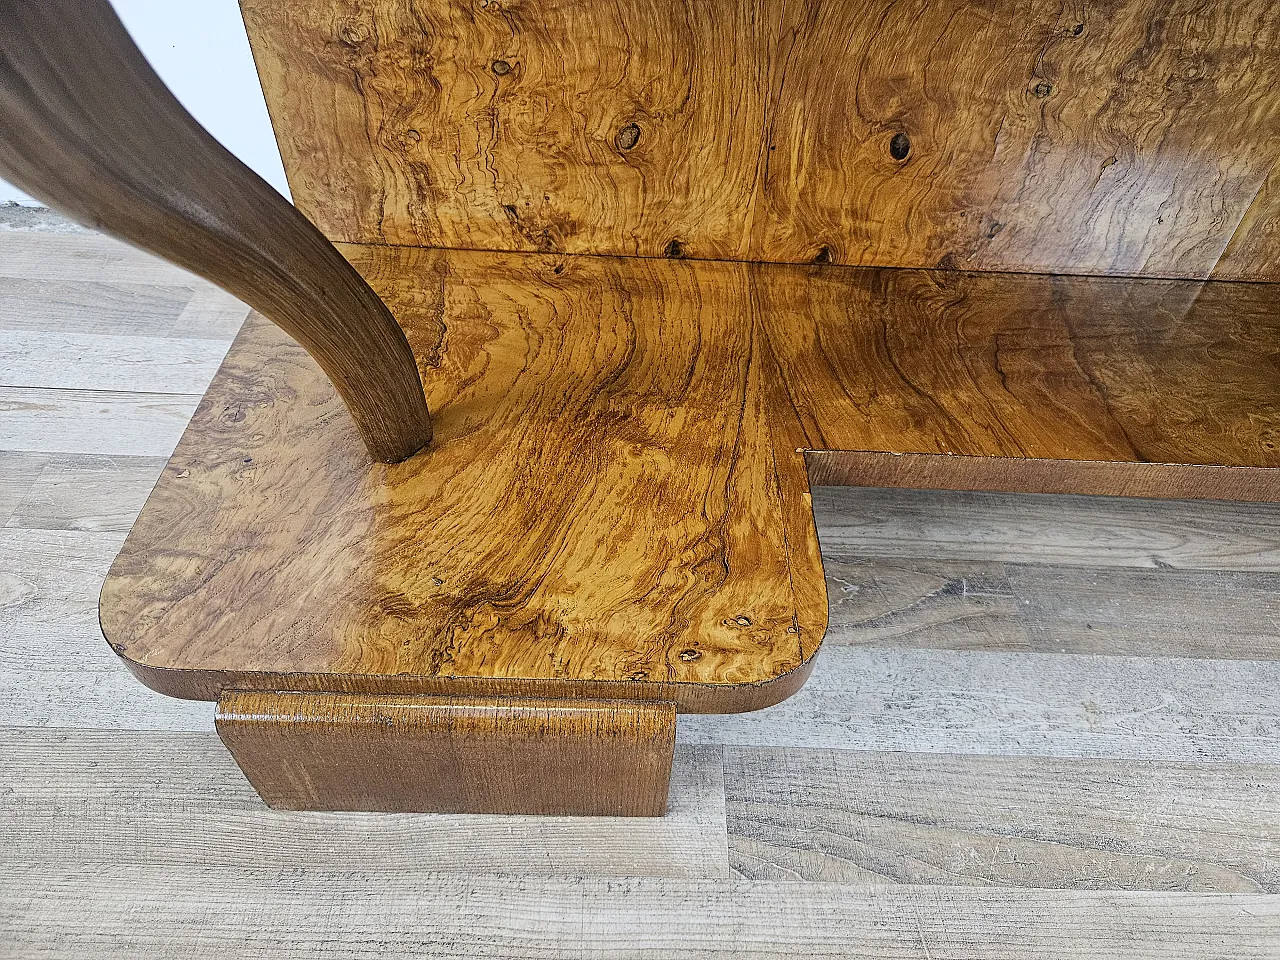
x,y
324,751
1042,384
87,126
618,504
604,511
1112,137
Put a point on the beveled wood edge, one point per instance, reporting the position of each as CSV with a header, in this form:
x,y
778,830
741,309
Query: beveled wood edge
x,y
232,699
1109,478
944,269
687,696
824,468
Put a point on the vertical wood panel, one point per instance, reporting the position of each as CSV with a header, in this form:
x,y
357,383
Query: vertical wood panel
x,y
1113,136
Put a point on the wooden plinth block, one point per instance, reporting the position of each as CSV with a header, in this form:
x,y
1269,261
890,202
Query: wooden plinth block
x,y
403,754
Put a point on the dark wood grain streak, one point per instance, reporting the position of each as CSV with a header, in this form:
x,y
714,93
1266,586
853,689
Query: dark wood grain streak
x,y
87,126
1131,137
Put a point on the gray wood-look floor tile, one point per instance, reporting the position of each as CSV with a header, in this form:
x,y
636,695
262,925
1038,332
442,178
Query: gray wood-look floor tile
x,y
1040,727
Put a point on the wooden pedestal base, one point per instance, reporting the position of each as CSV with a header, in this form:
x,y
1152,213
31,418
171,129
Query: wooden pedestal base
x,y
327,751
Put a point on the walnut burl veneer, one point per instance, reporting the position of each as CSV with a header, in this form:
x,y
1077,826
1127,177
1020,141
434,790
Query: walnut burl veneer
x,y
1107,137
616,502
605,511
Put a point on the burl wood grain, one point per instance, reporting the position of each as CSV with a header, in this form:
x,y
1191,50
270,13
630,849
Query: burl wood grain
x,y
1033,383
324,751
617,505
603,513
1135,137
87,126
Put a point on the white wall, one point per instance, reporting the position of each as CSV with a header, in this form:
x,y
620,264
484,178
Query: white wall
x,y
200,50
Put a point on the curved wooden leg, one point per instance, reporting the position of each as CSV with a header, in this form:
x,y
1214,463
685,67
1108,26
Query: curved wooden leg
x,y
88,127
